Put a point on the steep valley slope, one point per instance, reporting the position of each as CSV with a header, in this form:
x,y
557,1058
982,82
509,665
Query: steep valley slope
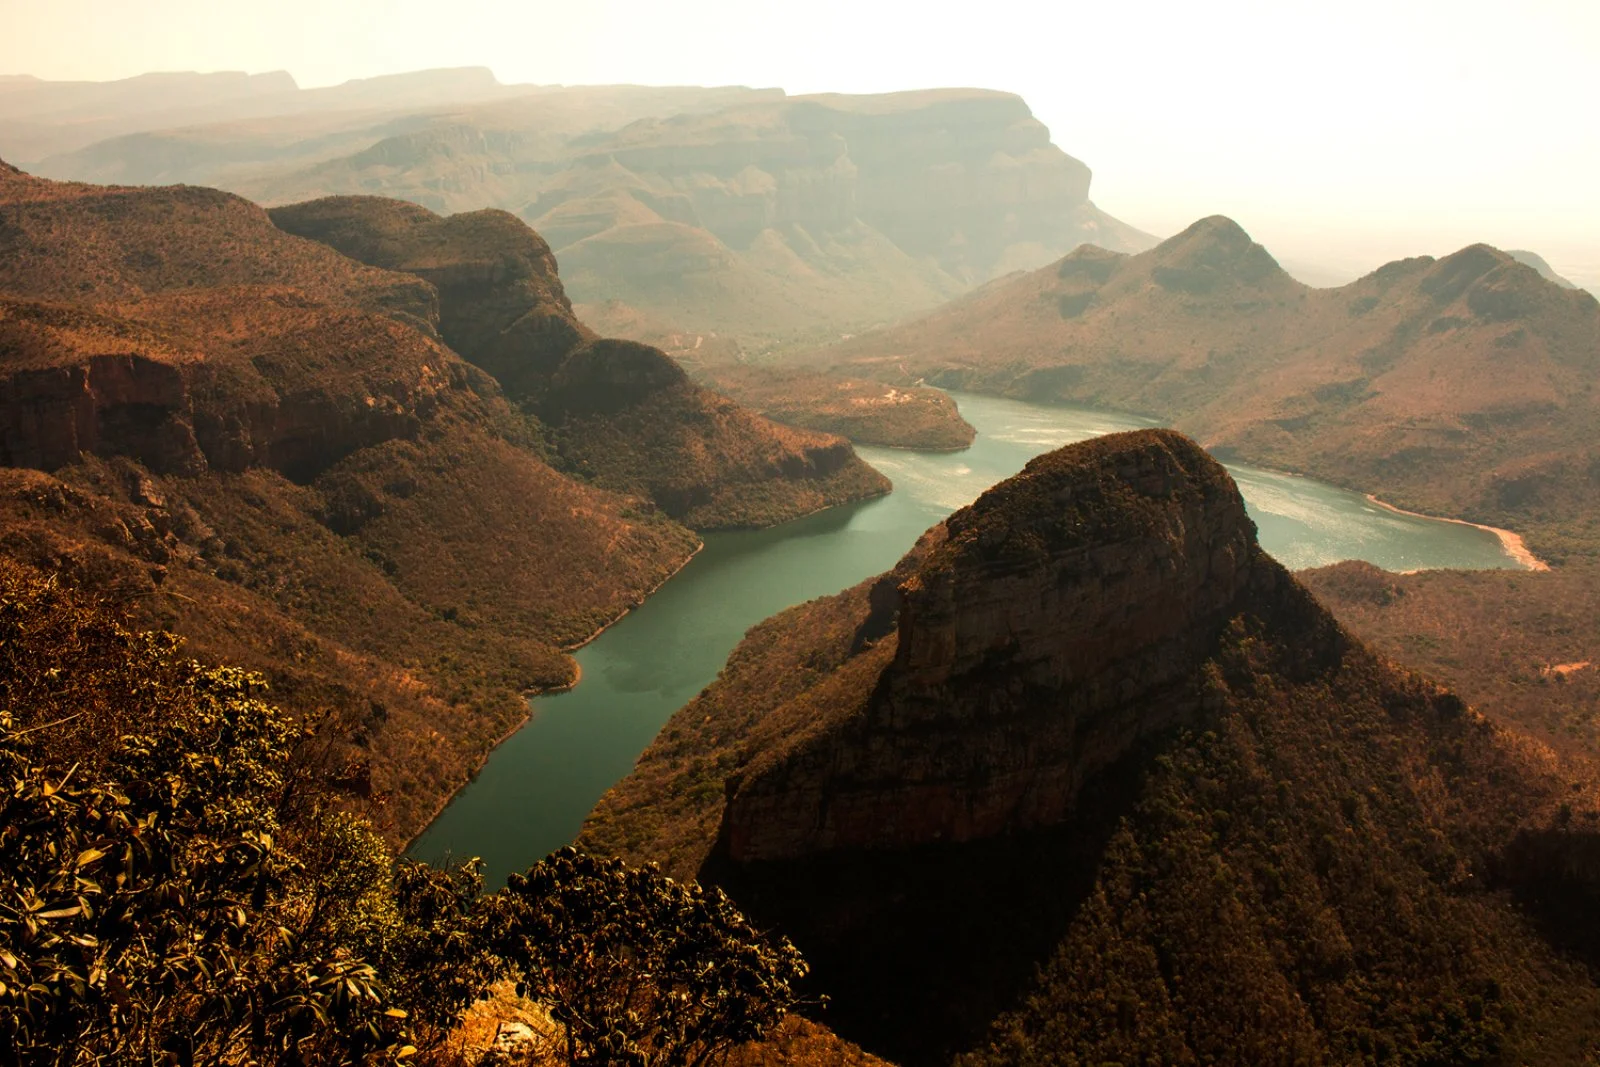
x,y
1464,386
1089,778
275,451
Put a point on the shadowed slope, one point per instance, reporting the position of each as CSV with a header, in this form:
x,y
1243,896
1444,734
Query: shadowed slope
x,y
1090,778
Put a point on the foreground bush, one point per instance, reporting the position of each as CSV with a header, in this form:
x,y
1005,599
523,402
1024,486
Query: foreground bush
x,y
639,969
178,886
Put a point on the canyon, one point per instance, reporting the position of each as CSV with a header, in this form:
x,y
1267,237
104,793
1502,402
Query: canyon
x,y
1086,776
274,450
1134,797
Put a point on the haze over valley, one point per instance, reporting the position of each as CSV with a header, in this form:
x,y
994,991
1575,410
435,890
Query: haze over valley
x,y
675,535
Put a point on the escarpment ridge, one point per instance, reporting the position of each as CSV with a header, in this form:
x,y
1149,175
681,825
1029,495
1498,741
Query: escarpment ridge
x,y
735,215
1089,737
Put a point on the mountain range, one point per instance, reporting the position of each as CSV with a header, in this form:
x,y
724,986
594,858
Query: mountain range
x,y
1087,777
744,214
1462,386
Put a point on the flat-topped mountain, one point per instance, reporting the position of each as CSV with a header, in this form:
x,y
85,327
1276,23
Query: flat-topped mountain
x,y
274,450
1088,777
707,211
1462,386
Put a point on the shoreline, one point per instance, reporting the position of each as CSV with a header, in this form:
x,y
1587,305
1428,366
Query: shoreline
x,y
629,610
577,668
529,694
1510,542
942,450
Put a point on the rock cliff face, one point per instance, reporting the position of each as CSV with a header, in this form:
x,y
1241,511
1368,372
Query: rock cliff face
x,y
180,402
501,304
847,209
727,211
955,176
1089,778
1063,618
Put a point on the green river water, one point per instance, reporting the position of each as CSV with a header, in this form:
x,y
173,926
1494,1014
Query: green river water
x,y
538,786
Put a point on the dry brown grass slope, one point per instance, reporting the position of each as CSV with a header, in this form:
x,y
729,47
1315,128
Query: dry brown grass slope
x,y
1464,386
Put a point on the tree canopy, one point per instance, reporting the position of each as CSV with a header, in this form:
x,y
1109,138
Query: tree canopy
x,y
178,885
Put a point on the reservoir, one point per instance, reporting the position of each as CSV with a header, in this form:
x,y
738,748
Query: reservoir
x,y
538,786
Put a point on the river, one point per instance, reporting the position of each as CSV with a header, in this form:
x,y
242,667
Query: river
x,y
537,787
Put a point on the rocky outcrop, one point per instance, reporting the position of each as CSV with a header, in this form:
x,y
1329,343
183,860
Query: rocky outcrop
x,y
1063,618
501,304
107,405
299,391
624,413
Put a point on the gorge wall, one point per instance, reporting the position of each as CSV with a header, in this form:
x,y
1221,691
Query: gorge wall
x,y
1063,618
273,450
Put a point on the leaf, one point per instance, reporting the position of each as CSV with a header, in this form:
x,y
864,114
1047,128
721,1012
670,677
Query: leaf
x,y
88,856
60,913
396,1013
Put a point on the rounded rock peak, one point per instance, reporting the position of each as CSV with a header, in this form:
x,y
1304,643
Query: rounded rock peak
x,y
1102,490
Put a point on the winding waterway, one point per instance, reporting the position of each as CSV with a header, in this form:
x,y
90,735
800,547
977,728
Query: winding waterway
x,y
538,786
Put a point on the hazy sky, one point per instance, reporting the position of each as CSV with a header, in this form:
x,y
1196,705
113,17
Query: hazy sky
x,y
1342,130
